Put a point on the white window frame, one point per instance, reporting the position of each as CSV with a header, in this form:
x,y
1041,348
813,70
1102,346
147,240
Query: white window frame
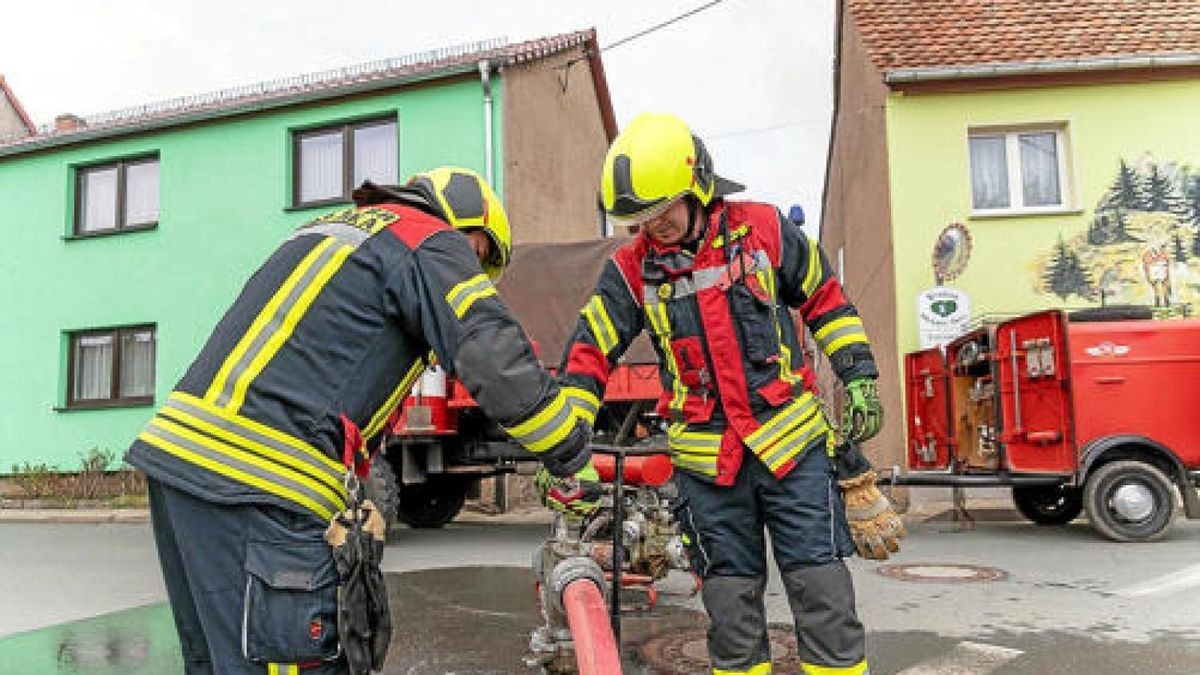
x,y
1012,159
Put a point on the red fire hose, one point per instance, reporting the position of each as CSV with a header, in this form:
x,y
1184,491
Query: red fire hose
x,y
595,646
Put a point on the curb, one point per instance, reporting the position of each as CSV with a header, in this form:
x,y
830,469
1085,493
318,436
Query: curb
x,y
75,516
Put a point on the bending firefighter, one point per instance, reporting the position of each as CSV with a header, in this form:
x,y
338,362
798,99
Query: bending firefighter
x,y
715,282
250,457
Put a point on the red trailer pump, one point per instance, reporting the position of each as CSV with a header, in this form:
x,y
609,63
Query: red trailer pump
x,y
1094,413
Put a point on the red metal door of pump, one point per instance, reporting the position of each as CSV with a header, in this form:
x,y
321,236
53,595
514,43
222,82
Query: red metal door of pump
x,y
1036,417
930,418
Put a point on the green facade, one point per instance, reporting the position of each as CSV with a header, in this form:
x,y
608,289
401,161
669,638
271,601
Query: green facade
x,y
225,189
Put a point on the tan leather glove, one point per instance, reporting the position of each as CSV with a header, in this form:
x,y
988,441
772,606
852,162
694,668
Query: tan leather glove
x,y
874,524
338,529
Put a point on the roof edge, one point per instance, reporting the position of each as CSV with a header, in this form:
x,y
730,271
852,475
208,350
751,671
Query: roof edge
x,y
16,104
299,89
906,75
608,116
44,141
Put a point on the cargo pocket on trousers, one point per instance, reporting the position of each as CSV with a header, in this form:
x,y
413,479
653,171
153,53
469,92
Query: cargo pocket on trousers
x,y
290,611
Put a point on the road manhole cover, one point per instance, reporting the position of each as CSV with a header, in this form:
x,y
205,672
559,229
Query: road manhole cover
x,y
942,572
684,651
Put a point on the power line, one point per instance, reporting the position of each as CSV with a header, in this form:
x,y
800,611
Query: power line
x,y
663,24
565,68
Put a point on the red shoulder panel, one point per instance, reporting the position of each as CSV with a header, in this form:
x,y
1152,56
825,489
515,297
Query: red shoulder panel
x,y
628,259
414,225
764,223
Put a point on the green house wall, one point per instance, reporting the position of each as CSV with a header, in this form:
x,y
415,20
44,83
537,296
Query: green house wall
x,y
224,194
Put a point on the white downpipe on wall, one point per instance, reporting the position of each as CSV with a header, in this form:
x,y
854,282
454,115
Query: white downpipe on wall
x,y
485,78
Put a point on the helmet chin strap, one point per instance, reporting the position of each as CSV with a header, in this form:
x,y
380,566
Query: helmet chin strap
x,y
694,231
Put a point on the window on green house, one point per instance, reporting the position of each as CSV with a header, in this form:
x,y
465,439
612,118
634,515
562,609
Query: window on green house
x,y
331,161
113,366
117,196
1017,171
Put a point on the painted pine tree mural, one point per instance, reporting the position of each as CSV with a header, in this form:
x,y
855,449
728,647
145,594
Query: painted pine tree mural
x,y
1066,275
1142,241
1127,191
1110,227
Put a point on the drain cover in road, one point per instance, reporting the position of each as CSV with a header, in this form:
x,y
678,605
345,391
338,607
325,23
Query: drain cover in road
x,y
684,651
942,572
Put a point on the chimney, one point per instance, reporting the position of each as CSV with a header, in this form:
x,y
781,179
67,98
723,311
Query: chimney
x,y
67,122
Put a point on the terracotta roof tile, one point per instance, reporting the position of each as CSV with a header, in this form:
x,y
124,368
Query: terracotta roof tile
x,y
900,34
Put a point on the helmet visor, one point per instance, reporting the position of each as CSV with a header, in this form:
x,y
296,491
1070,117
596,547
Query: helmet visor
x,y
644,216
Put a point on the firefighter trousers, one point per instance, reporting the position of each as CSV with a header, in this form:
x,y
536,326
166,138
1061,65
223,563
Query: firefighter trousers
x,y
725,529
252,588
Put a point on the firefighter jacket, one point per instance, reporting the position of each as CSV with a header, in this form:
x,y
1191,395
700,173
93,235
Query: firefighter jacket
x,y
324,341
720,319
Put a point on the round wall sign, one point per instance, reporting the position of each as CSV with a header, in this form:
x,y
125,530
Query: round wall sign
x,y
951,252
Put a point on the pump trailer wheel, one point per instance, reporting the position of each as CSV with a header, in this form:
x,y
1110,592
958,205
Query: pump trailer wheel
x,y
1048,504
1129,500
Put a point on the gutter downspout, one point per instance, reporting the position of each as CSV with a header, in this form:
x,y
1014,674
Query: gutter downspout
x,y
485,79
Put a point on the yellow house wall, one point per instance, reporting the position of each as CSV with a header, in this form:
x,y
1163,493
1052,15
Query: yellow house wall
x,y
929,179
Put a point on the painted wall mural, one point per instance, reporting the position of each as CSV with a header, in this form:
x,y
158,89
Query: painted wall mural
x,y
1142,246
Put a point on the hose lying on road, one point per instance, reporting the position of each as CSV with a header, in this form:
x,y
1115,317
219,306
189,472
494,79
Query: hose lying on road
x,y
587,615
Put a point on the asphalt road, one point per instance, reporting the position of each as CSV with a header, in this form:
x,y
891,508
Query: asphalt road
x,y
1003,598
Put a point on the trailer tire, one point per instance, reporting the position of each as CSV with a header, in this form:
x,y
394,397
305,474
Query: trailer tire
x,y
1048,505
1130,501
432,504
383,489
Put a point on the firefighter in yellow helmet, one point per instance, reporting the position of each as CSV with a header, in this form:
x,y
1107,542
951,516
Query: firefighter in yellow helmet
x,y
716,282
250,457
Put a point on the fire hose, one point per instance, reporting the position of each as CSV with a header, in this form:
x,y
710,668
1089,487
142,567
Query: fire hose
x,y
582,632
595,646
577,636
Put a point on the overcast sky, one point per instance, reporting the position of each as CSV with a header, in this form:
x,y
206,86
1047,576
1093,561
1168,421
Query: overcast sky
x,y
752,77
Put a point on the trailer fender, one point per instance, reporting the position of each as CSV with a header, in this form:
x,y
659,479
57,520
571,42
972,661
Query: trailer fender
x,y
1130,446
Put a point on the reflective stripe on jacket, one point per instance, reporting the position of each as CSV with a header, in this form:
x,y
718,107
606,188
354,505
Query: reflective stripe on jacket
x,y
323,342
721,320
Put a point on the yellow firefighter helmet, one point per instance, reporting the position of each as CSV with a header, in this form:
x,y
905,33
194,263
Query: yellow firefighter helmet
x,y
654,161
467,202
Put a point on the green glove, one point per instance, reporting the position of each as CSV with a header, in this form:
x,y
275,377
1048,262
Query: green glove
x,y
574,497
863,415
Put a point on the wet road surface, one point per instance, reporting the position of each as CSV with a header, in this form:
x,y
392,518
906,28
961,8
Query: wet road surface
x,y
463,603
476,621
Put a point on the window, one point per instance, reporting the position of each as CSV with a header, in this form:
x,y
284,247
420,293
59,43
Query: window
x,y
1018,171
117,196
331,161
113,366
